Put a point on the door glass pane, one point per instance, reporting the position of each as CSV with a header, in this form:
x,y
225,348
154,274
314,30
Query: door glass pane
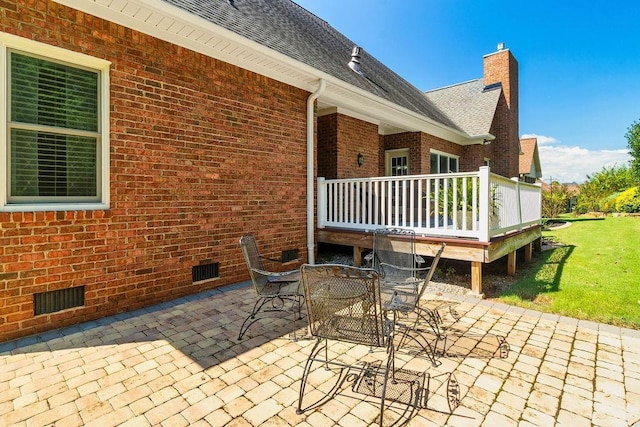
x,y
399,166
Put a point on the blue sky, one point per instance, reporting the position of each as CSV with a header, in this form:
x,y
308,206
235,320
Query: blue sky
x,y
579,63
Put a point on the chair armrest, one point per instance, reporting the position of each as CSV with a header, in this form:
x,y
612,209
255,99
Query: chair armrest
x,y
284,276
411,269
271,259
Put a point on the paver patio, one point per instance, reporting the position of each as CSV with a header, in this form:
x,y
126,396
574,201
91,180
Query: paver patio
x,y
179,364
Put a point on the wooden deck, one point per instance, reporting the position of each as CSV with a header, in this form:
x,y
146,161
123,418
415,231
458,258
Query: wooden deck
x,y
474,251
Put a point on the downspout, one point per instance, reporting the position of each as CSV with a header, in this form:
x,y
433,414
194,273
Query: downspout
x,y
310,169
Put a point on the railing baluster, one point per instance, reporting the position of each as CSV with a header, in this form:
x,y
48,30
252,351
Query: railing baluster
x,y
455,205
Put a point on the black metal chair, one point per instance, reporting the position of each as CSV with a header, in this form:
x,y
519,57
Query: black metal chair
x,y
404,278
343,304
276,291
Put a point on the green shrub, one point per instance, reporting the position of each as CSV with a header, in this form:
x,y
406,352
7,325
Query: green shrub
x,y
554,200
628,201
608,204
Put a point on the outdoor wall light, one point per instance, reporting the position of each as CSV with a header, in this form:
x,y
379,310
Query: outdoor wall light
x,y
360,159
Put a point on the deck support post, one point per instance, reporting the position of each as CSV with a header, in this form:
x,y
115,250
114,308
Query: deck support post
x,y
357,256
511,263
537,244
476,277
528,251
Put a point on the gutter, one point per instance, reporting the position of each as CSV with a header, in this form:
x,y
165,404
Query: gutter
x,y
310,170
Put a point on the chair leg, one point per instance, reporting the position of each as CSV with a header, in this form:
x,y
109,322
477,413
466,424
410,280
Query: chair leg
x,y
307,369
250,320
278,304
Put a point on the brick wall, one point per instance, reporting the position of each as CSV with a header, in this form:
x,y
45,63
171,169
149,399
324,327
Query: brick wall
x,y
327,134
502,67
420,146
340,139
473,157
410,140
201,152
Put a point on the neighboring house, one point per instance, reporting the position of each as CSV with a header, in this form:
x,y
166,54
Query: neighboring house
x,y
144,138
573,190
530,170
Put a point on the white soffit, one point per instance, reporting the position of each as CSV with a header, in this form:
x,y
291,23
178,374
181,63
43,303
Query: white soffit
x,y
177,26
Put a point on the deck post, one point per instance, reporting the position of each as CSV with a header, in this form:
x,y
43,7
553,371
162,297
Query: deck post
x,y
357,256
511,263
484,192
476,277
322,200
528,251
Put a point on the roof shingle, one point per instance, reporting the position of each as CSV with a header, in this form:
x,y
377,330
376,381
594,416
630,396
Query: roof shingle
x,y
470,105
289,29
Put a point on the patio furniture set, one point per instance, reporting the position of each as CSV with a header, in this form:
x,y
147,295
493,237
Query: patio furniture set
x,y
381,306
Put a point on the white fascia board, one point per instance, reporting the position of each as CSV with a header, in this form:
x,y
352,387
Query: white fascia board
x,y
179,27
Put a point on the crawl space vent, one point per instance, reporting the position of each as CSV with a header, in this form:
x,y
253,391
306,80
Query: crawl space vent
x,y
62,299
204,272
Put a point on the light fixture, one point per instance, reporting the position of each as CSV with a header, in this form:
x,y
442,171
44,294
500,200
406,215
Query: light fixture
x,y
360,159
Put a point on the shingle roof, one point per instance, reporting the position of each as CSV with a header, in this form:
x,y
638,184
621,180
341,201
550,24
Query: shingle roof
x,y
529,158
289,29
470,105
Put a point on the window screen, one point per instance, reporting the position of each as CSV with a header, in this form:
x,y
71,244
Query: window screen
x,y
53,131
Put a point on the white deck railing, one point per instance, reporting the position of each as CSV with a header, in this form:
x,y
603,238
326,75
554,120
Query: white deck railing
x,y
475,205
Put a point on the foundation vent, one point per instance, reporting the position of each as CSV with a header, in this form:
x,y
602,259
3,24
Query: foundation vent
x,y
62,299
289,255
204,272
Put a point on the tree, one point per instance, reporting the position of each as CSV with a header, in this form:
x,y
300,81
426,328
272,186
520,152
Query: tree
x,y
599,186
554,200
633,141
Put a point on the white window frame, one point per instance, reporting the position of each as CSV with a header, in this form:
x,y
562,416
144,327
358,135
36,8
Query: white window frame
x,y
443,154
56,54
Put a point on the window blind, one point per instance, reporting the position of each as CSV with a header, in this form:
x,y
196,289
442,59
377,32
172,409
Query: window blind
x,y
54,124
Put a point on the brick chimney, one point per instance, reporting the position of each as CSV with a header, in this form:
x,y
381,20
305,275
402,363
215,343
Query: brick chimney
x,y
501,67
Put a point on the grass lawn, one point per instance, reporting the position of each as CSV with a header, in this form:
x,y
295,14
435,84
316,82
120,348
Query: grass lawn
x,y
594,276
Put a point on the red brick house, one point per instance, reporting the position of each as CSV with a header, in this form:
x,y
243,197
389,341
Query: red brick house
x,y
143,138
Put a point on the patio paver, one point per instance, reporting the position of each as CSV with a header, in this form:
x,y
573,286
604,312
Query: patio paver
x,y
179,363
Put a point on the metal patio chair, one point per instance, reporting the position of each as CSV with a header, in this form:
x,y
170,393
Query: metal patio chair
x,y
276,291
343,304
404,277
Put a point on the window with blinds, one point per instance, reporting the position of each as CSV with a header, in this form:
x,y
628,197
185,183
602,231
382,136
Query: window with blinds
x,y
53,131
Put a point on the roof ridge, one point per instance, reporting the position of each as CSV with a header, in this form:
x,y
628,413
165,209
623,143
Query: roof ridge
x,y
453,85
309,12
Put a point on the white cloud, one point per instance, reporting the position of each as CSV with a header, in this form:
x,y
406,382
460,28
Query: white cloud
x,y
542,140
573,164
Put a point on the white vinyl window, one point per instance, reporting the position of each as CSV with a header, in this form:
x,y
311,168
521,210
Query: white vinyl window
x,y
443,162
54,127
